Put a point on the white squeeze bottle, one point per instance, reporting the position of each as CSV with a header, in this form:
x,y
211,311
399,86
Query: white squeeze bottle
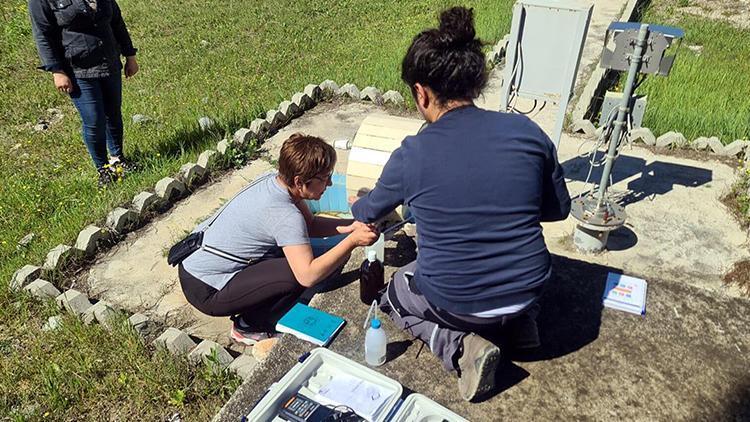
x,y
375,341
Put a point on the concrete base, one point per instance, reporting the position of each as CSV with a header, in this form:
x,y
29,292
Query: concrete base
x,y
590,241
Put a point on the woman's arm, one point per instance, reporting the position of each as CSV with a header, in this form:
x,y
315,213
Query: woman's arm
x,y
309,270
120,32
47,36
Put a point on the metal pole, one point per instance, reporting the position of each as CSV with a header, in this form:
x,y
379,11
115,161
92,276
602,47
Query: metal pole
x,y
620,122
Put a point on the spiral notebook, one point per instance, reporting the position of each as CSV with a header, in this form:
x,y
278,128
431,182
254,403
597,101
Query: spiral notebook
x,y
310,324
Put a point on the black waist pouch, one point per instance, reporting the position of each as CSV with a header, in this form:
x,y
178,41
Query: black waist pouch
x,y
184,248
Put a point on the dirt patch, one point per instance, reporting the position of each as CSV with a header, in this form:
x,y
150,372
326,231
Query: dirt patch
x,y
738,200
740,276
734,12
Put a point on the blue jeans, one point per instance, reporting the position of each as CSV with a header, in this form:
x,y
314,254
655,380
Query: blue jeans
x,y
99,102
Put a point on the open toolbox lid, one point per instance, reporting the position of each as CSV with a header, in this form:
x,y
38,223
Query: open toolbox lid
x,y
309,376
418,408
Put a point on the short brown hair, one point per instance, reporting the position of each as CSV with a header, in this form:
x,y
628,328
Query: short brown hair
x,y
305,156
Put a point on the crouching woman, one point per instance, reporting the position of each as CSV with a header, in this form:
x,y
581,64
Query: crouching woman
x,y
256,258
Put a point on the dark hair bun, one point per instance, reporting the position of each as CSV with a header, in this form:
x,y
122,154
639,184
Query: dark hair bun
x,y
456,27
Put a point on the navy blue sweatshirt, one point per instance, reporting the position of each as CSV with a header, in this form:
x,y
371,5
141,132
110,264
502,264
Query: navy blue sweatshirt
x,y
478,183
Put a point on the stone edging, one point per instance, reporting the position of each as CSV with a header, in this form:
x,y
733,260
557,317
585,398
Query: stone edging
x,y
145,205
740,148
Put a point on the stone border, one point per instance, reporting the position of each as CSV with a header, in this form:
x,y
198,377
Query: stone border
x,y
740,148
168,191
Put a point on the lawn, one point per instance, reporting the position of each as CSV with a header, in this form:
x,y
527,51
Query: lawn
x,y
227,60
706,93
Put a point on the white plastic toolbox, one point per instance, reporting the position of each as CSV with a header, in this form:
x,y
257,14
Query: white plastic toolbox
x,y
418,408
312,374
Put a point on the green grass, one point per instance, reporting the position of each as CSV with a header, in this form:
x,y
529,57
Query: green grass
x,y
255,54
706,93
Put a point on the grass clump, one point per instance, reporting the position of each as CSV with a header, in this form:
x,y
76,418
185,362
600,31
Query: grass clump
x,y
230,61
703,95
83,372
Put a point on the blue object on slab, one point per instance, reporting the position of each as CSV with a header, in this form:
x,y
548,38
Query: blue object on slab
x,y
333,201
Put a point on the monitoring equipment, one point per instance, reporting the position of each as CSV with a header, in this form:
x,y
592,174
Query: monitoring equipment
x,y
641,49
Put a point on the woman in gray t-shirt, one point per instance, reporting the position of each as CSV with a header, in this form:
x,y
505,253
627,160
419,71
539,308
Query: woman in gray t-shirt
x,y
269,225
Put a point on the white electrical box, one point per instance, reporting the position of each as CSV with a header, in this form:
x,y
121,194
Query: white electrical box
x,y
544,51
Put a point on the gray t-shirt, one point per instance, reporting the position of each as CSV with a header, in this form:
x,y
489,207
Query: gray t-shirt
x,y
256,224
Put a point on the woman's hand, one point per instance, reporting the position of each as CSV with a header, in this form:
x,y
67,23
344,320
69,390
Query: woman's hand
x,y
360,234
62,82
131,66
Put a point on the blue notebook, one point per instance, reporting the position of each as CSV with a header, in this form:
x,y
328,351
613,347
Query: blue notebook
x,y
310,324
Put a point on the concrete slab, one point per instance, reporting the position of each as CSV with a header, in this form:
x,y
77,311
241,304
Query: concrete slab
x,y
686,359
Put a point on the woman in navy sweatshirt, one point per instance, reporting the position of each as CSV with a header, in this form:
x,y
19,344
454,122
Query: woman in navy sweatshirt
x,y
478,184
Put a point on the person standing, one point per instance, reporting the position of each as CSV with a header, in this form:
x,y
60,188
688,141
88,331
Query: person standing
x,y
80,43
478,184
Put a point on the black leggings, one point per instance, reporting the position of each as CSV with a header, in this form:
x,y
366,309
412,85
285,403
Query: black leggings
x,y
261,293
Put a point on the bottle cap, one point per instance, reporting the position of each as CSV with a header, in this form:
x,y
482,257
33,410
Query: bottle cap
x,y
372,255
375,323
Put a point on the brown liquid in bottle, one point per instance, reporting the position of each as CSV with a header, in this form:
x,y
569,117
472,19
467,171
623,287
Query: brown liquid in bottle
x,y
371,279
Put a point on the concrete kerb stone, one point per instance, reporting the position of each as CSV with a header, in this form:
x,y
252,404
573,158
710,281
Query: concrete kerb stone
x,y
243,136
349,90
700,143
373,94
176,341
140,323
191,173
261,128
290,109
715,145
329,88
314,91
23,276
205,123
88,238
644,135
120,220
53,323
222,146
42,289
101,311
671,139
169,189
393,97
74,302
275,119
584,126
303,101
57,256
735,148
207,159
143,202
205,349
243,365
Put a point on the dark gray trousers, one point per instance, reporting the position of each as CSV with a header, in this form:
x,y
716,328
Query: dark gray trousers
x,y
441,330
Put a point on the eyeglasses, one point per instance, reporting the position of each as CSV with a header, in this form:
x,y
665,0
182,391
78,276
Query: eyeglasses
x,y
326,179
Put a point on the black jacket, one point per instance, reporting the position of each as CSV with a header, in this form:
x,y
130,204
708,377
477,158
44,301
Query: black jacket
x,y
70,36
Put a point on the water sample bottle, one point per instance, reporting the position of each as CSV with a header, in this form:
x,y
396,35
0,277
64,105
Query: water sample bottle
x,y
375,342
378,247
371,278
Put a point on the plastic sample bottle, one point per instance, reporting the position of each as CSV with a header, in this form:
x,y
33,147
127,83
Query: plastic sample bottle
x,y
371,278
375,342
